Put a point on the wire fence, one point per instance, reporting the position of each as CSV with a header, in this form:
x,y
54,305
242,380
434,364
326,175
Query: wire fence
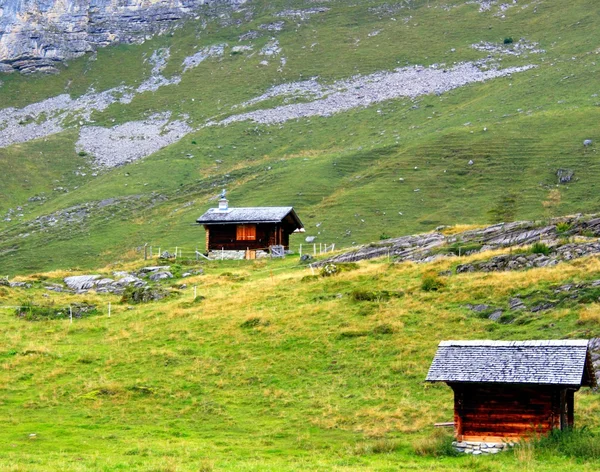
x,y
157,251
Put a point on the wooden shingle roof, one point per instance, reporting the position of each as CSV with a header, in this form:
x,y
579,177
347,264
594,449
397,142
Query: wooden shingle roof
x,y
565,362
250,215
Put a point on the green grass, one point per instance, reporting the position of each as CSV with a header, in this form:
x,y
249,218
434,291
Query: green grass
x,y
265,373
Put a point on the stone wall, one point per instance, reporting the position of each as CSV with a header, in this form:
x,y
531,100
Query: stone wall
x,y
477,447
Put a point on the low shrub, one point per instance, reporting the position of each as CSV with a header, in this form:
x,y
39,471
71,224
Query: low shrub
x,y
384,328
563,227
352,333
360,295
580,443
32,312
431,283
309,278
439,444
143,294
540,248
254,322
347,266
380,446
508,40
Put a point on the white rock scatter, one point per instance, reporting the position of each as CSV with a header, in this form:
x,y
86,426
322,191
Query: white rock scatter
x,y
52,115
362,91
49,116
159,60
210,51
137,139
519,48
310,89
302,14
128,142
275,26
271,48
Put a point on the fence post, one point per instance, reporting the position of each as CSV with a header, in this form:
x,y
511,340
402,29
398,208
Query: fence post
x,y
315,249
176,249
71,313
146,251
159,251
300,249
109,309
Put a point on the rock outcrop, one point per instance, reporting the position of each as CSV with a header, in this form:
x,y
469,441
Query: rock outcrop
x,y
428,246
37,34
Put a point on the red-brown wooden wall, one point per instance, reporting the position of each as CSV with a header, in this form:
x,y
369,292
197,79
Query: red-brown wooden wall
x,y
488,412
224,237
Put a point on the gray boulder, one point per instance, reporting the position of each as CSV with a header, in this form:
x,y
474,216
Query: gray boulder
x,y
160,276
587,142
564,175
147,270
81,282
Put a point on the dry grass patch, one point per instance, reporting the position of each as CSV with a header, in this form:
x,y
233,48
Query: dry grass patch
x,y
590,313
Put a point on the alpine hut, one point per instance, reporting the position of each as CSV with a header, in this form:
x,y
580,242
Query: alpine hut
x,y
504,391
250,232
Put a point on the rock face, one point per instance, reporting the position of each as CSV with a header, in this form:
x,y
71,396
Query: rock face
x,y
36,34
429,246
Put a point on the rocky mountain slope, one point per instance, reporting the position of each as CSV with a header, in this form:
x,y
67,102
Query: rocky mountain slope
x,y
370,118
36,35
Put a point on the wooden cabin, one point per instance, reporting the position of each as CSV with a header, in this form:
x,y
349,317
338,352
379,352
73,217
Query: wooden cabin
x,y
248,229
504,391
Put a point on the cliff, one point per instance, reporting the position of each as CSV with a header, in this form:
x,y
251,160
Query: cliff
x,y
37,34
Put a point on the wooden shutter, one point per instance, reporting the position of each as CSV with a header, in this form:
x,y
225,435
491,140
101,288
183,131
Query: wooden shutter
x,y
246,233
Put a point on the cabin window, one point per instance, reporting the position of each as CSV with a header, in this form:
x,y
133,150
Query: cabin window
x,y
246,233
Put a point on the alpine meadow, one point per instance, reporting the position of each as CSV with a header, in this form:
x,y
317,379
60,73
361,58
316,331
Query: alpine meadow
x,y
442,161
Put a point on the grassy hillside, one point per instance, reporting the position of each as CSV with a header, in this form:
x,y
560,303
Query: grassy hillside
x,y
341,171
269,369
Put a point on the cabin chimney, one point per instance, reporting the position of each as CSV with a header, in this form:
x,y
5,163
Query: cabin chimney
x,y
223,202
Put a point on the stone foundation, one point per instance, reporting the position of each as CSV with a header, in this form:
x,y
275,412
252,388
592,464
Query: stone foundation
x,y
234,255
476,447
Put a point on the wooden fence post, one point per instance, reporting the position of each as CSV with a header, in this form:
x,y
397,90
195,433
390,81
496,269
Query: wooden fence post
x,y
109,309
300,249
71,313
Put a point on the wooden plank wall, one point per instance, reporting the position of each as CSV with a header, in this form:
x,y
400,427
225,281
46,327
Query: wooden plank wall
x,y
225,237
484,411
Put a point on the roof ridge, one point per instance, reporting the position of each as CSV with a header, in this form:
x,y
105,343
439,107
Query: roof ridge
x,y
526,343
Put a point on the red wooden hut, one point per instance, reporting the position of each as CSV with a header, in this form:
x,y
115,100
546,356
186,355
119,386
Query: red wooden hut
x,y
504,391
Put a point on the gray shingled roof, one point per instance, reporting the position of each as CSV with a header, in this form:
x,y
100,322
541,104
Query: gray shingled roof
x,y
528,362
248,215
